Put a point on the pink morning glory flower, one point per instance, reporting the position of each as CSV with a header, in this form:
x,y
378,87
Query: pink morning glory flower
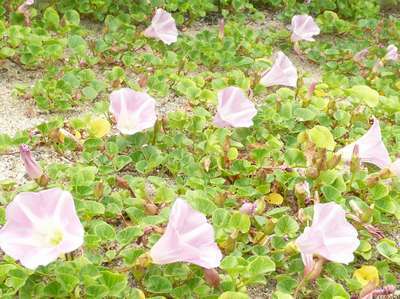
x,y
329,236
371,148
134,111
283,72
31,166
248,208
23,8
234,109
41,226
391,53
162,27
361,55
303,28
187,238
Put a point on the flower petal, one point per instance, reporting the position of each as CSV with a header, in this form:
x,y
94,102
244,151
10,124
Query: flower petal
x,y
234,109
283,72
162,27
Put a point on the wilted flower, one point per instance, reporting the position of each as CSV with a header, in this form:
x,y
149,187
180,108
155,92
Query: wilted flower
x,y
134,111
329,236
303,28
283,72
391,53
234,109
371,148
361,55
311,88
248,208
31,166
188,238
23,8
41,226
162,27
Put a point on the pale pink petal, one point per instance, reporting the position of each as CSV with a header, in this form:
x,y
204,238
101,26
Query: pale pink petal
x,y
303,28
162,27
329,236
133,111
392,53
31,166
361,55
248,208
371,148
283,72
234,109
187,238
395,167
40,227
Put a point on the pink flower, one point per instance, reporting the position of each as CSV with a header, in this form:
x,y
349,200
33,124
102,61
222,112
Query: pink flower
x,y
395,167
361,55
391,53
283,72
40,227
370,148
162,27
188,238
248,208
234,109
303,28
31,166
23,8
329,236
133,111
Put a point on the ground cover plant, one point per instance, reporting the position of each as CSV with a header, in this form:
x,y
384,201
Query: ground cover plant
x,y
226,149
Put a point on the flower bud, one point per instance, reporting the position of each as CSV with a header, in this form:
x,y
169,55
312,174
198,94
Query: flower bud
x,y
31,166
248,208
361,55
211,277
150,208
221,29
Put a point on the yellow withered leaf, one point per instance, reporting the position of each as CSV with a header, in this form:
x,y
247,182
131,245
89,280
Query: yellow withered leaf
x,y
275,198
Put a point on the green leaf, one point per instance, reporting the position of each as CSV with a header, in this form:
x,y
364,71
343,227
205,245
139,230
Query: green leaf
x,y
286,225
51,18
129,234
105,231
322,137
114,282
233,295
240,222
365,94
333,290
158,284
261,265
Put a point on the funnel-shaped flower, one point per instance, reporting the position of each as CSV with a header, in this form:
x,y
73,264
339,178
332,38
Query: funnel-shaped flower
x,y
40,227
329,236
234,109
391,53
303,28
162,27
31,166
23,8
283,72
188,238
133,111
370,148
